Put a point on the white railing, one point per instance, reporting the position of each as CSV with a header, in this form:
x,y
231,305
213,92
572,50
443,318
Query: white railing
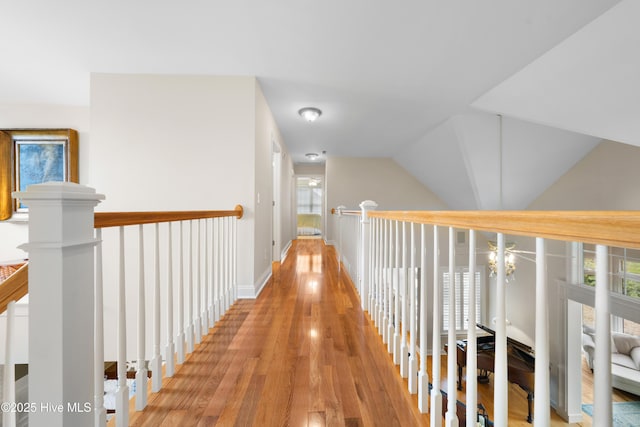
x,y
128,290
397,259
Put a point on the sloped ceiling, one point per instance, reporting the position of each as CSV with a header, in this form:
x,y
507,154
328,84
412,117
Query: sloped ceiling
x,y
470,171
589,83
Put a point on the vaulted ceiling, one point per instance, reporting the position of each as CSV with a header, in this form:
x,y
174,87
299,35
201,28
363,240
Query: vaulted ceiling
x,y
420,81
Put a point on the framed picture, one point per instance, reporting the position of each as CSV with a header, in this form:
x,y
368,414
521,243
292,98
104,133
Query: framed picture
x,y
34,156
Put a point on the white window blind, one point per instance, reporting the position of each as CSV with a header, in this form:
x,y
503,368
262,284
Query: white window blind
x,y
461,299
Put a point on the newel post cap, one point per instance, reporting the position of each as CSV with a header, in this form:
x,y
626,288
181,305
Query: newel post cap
x,y
58,191
366,206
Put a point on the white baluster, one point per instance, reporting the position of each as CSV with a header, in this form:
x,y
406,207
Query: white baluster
x,y
205,304
436,396
181,324
451,416
390,281
423,379
219,266
170,349
122,393
372,260
376,269
9,384
397,345
225,267
501,389
197,320
541,379
100,412
235,258
141,374
413,358
404,349
383,306
472,358
602,408
230,262
189,330
212,283
156,361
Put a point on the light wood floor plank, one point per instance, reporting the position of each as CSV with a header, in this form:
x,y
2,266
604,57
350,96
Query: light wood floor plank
x,y
302,354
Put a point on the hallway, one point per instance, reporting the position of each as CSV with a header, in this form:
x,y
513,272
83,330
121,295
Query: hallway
x,y
302,354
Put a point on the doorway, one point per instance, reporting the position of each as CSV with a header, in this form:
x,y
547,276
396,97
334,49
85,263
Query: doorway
x,y
309,200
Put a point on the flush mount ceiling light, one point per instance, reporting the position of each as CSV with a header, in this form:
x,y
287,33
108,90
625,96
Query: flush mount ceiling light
x,y
312,156
310,114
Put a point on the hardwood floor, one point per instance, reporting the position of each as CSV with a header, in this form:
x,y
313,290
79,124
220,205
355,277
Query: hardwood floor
x,y
302,354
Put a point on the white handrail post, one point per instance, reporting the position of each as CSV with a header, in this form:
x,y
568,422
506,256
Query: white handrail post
x,y
413,357
141,374
423,379
501,390
170,349
541,375
61,251
156,361
451,415
364,263
100,412
472,350
9,379
602,408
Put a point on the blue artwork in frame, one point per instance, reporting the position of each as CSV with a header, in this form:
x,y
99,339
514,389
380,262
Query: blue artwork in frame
x,y
38,162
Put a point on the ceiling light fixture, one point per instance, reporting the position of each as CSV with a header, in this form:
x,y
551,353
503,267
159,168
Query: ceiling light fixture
x,y
312,156
310,114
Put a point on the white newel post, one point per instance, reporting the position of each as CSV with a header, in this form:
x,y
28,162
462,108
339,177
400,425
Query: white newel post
x,y
61,303
363,262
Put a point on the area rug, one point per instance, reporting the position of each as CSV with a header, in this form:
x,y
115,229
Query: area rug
x,y
625,414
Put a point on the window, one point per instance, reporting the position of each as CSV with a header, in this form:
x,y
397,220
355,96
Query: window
x,y
34,156
624,274
461,298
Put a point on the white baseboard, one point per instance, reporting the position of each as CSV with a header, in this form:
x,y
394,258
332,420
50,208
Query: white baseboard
x,y
264,279
285,251
246,292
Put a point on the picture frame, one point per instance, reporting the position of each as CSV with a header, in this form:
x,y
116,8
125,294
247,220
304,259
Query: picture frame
x,y
34,156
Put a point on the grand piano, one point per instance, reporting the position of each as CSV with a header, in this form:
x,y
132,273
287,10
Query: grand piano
x,y
520,362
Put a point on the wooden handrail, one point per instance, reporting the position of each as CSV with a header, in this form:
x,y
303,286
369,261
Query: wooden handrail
x,y
15,287
612,228
117,219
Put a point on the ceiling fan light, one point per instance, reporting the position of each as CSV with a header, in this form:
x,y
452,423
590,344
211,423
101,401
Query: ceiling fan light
x,y
310,114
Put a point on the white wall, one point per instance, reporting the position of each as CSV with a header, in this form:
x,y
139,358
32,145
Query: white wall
x,y
349,181
266,135
172,143
40,116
